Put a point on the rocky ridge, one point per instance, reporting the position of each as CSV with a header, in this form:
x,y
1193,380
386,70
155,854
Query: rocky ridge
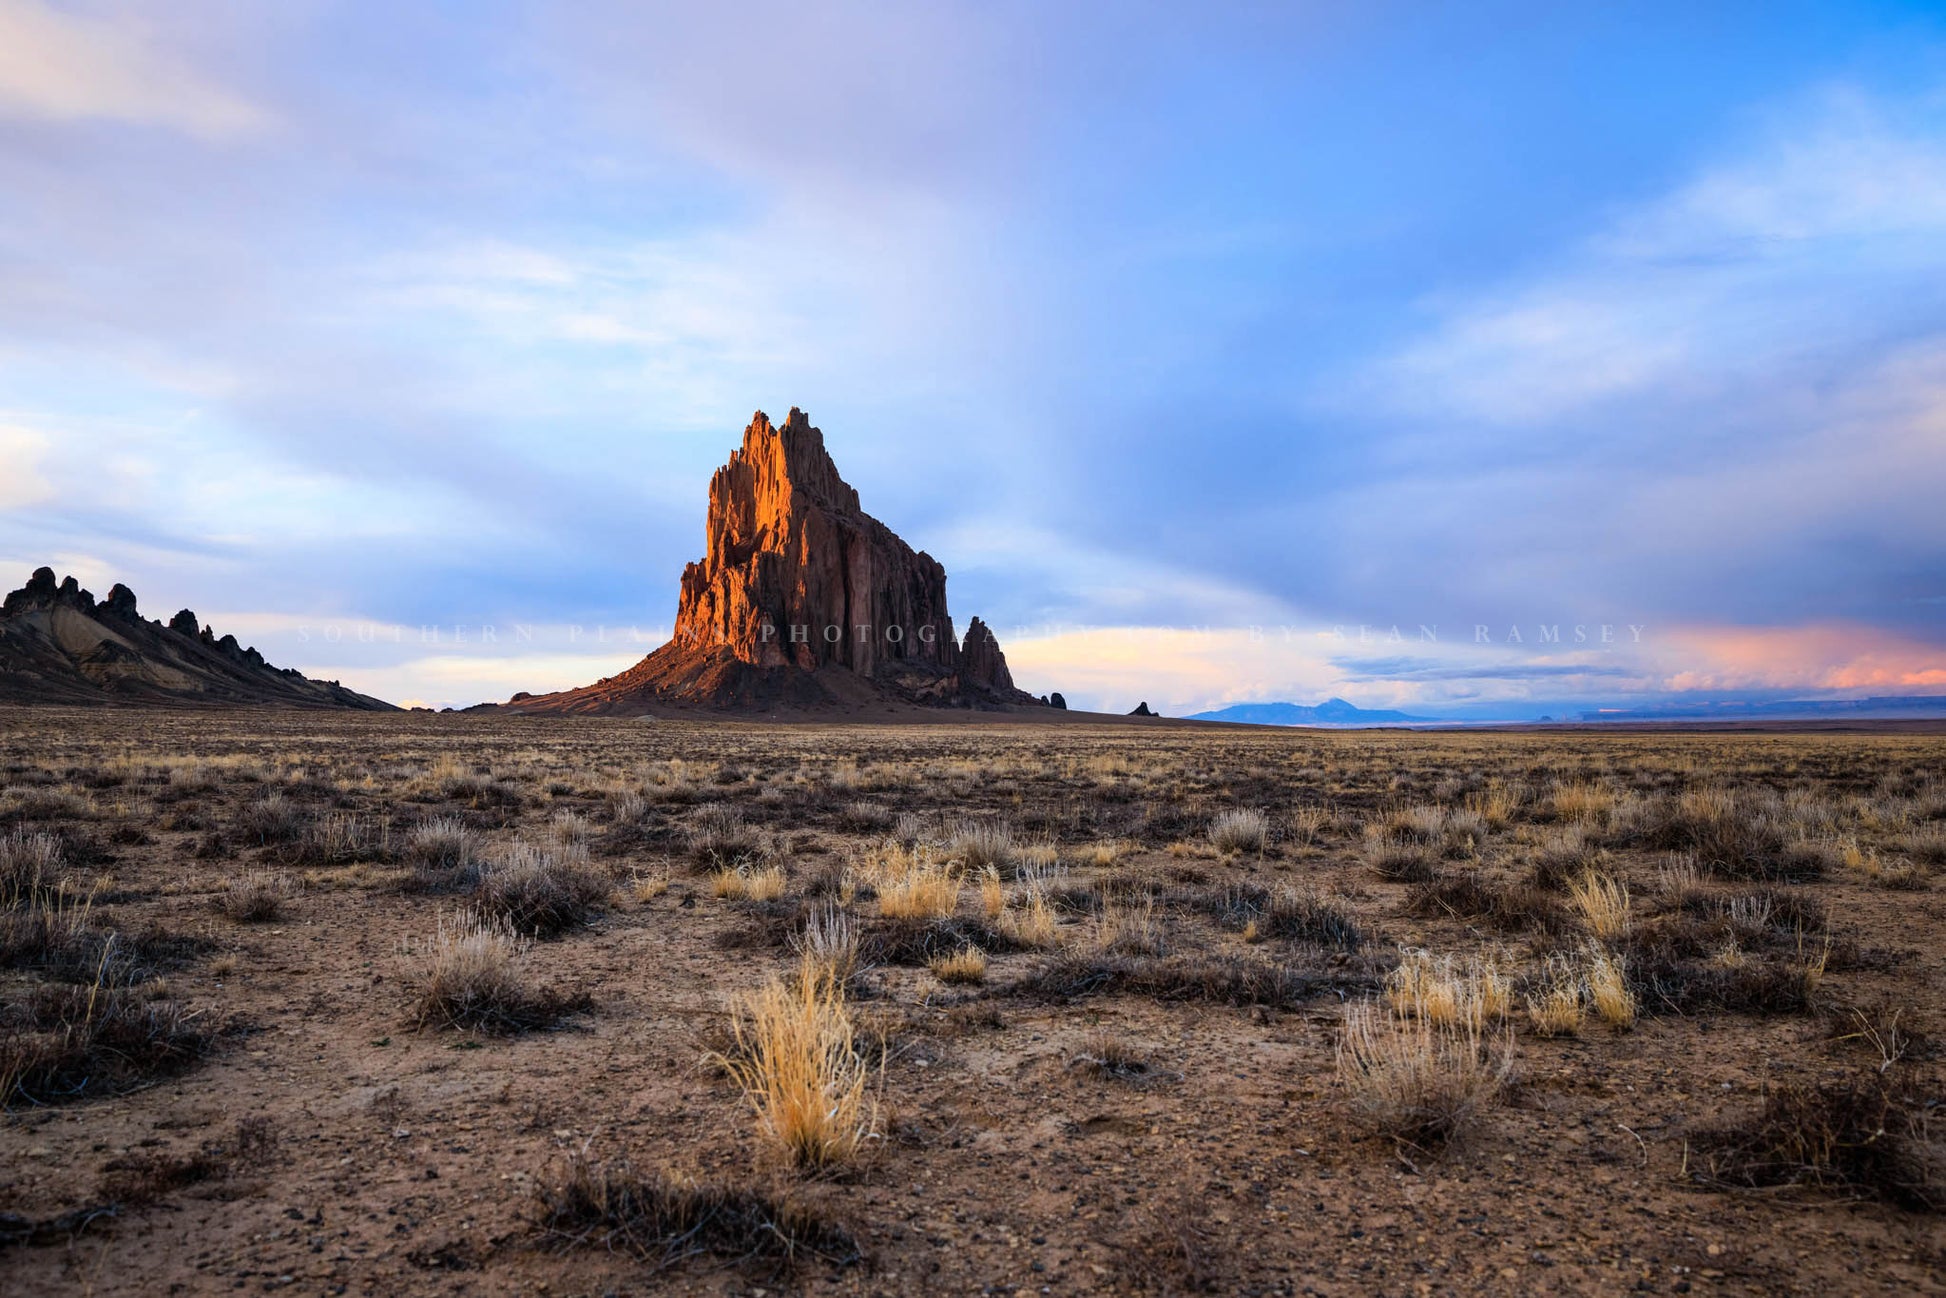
x,y
58,644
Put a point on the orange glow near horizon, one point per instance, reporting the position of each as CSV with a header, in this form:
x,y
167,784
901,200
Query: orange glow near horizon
x,y
1835,656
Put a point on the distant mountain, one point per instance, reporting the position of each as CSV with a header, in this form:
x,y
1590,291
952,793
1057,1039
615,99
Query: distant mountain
x,y
58,645
1880,708
1332,712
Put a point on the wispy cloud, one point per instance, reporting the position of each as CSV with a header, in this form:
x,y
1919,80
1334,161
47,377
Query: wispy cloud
x,y
22,454
63,66
1782,253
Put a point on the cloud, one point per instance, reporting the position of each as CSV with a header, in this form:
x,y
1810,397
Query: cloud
x,y
65,67
1790,251
22,451
1837,657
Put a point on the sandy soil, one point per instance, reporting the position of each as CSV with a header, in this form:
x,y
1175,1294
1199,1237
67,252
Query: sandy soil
x,y
404,1161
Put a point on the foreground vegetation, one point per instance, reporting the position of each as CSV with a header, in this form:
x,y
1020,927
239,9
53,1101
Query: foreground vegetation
x,y
898,1008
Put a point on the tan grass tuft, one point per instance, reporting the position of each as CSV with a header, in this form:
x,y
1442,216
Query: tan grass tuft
x,y
796,1061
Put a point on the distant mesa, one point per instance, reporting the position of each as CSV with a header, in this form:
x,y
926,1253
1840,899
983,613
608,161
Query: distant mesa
x,y
803,600
1332,712
59,646
1141,710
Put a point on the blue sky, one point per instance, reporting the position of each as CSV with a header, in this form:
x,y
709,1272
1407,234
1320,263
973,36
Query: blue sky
x,y
1191,342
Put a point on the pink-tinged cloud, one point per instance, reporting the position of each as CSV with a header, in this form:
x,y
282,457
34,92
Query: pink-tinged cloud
x,y
1834,656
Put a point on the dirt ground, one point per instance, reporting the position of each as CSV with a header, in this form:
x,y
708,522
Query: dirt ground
x,y
1162,1113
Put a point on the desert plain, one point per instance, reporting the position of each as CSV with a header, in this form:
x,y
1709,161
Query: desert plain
x,y
409,1004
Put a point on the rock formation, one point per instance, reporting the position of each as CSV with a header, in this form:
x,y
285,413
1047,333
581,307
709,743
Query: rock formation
x,y
1141,710
58,645
801,599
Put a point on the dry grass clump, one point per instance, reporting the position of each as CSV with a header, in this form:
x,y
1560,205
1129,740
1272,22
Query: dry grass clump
x,y
1556,999
1497,805
923,889
541,891
1868,864
1679,883
1307,824
1870,1134
441,851
1442,831
338,838
273,819
663,1220
829,940
51,928
66,1041
795,1058
865,817
748,883
454,781
1581,801
1754,954
1402,859
1449,992
1416,1081
26,859
471,975
1240,829
44,802
570,828
993,895
982,845
1288,915
1104,853
1130,928
1926,845
1565,853
1732,833
1509,906
720,837
627,806
257,896
1603,905
966,965
1608,989
1031,921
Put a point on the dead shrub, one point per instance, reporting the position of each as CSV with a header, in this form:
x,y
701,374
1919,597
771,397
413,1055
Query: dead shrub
x,y
1114,1059
542,891
720,838
272,819
1509,907
471,975
1220,980
256,896
70,1040
1401,859
1240,829
664,1220
442,852
1870,1134
1287,915
1420,1084
139,1179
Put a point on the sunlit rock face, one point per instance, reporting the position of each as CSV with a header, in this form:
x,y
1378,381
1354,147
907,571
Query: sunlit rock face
x,y
795,573
802,599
